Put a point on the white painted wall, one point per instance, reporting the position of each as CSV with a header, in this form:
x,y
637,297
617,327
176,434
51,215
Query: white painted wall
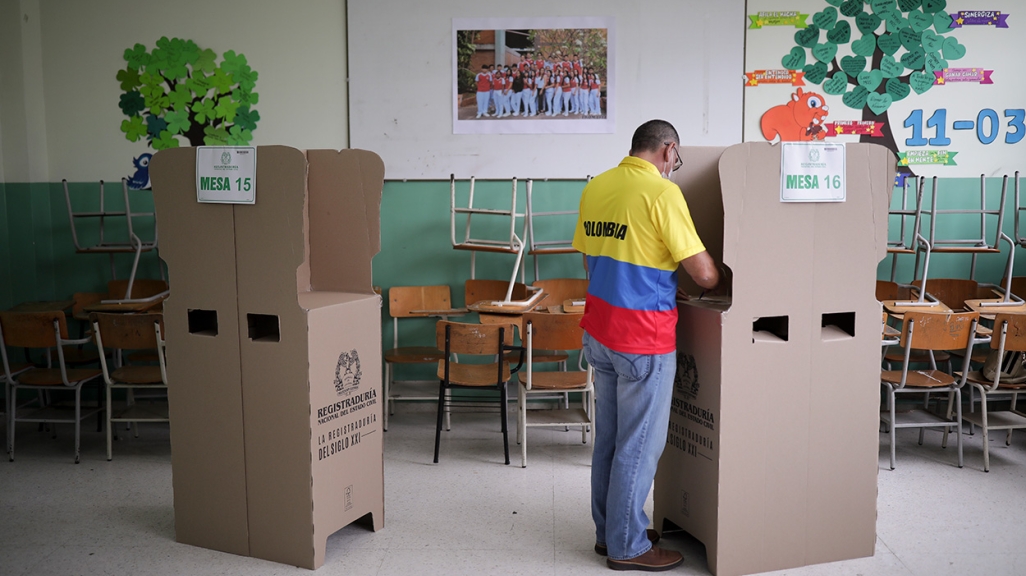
x,y
679,60
72,50
13,146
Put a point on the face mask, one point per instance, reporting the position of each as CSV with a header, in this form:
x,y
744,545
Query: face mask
x,y
669,168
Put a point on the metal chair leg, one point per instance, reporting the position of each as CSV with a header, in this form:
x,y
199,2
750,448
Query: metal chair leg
x,y
110,427
438,425
893,400
986,433
958,435
78,421
11,417
522,424
503,413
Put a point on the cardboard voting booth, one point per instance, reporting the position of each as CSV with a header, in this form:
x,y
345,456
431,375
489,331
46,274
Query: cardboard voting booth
x,y
273,348
771,458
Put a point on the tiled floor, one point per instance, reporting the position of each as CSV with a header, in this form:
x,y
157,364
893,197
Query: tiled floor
x,y
472,515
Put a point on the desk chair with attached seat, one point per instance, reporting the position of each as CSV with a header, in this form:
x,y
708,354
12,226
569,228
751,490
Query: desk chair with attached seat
x,y
557,332
558,290
42,330
131,332
412,302
490,341
142,289
1010,343
475,291
929,331
886,291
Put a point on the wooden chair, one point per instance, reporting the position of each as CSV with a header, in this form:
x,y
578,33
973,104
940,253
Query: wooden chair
x,y
142,288
468,340
1010,330
6,376
558,290
131,332
951,291
557,332
479,290
891,291
475,290
42,330
412,302
1018,285
932,332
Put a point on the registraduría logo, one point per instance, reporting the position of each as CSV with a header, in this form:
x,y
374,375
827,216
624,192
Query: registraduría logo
x,y
347,373
226,157
686,379
814,155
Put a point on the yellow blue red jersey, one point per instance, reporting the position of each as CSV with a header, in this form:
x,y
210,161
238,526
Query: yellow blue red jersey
x,y
634,227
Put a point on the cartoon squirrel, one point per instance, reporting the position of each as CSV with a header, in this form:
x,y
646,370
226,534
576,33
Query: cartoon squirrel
x,y
798,120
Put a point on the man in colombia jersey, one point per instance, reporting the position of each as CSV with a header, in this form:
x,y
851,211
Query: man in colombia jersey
x,y
634,229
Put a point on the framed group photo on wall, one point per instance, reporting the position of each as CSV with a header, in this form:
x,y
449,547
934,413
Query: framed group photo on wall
x,y
533,75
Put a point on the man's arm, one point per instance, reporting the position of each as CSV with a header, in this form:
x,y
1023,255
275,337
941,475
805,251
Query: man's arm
x,y
702,270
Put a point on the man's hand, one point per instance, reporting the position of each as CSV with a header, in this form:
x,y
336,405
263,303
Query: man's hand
x,y
702,270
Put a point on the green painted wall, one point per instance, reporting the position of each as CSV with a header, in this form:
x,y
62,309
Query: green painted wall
x,y
37,256
38,261
958,194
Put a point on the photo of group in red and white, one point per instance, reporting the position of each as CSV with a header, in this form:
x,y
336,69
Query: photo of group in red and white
x,y
531,74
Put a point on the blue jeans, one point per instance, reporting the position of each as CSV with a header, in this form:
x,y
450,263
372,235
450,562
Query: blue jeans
x,y
632,414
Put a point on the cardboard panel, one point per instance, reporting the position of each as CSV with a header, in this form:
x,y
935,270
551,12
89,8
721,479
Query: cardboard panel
x,y
347,440
766,382
197,241
699,180
345,218
243,421
769,498
269,245
845,398
687,479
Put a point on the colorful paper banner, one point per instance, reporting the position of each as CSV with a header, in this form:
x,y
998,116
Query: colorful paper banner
x,y
796,19
962,75
914,157
781,76
979,18
856,127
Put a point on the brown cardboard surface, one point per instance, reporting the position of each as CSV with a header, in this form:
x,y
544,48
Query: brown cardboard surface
x,y
205,397
347,440
699,173
792,498
344,236
287,347
269,244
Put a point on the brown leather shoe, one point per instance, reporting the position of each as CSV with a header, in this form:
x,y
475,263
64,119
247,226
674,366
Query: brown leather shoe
x,y
655,560
653,537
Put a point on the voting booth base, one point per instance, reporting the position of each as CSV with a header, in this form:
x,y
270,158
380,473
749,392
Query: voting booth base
x,y
274,352
772,454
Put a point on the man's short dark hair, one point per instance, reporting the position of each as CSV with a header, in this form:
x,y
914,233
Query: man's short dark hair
x,y
653,134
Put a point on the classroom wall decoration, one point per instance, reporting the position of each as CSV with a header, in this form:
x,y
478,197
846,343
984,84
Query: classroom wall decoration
x,y
939,83
177,93
533,75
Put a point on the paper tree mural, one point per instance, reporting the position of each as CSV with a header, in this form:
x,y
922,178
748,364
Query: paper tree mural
x,y
179,90
897,46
